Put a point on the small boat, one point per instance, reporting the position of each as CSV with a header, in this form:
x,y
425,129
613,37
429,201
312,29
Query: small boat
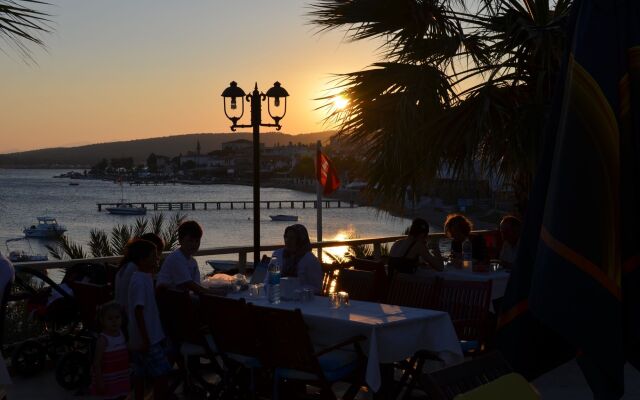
x,y
47,227
124,208
22,255
283,217
127,209
73,183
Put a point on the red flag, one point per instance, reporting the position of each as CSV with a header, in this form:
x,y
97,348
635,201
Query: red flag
x,y
326,174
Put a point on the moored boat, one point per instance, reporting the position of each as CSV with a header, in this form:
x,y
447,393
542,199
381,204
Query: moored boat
x,y
47,227
127,209
283,217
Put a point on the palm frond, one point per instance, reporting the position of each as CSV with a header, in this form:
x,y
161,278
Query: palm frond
x,y
99,244
21,23
65,248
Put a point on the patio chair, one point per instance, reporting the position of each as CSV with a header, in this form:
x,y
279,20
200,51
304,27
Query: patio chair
x,y
89,297
447,383
413,291
328,277
467,302
182,325
233,328
286,348
359,284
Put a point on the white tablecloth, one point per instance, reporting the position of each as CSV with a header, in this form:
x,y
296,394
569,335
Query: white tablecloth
x,y
499,278
393,333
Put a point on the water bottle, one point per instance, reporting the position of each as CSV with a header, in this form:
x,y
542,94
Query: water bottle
x,y
274,280
467,253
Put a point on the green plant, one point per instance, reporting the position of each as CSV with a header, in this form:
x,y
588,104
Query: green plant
x,y
103,244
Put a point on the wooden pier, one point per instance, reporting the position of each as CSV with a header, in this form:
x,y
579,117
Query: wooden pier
x,y
232,205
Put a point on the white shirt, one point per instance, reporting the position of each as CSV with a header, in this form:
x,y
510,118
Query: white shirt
x,y
178,269
309,271
508,252
123,278
7,274
141,293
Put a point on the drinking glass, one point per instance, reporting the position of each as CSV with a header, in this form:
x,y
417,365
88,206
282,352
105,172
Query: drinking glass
x,y
334,300
445,249
343,298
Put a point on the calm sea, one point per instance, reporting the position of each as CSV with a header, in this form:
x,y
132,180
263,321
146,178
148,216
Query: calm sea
x,y
26,194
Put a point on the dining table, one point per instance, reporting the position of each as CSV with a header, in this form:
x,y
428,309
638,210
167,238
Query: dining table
x,y
499,278
392,333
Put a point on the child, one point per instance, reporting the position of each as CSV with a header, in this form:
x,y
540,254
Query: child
x,y
148,351
127,268
180,269
111,359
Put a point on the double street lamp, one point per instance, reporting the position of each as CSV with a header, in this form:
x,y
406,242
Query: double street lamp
x,y
276,99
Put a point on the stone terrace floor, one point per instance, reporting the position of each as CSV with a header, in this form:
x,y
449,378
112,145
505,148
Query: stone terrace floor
x,y
565,382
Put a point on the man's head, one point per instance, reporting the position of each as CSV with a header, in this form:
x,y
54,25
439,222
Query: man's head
x,y
510,227
189,235
419,228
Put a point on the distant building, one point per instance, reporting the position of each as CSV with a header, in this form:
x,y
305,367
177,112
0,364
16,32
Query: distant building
x,y
207,161
239,145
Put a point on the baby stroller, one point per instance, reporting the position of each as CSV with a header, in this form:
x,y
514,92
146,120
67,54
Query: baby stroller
x,y
68,312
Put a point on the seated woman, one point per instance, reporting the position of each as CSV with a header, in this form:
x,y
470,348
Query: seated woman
x,y
458,228
297,260
406,255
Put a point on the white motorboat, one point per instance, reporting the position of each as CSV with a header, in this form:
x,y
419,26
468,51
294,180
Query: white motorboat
x,y
283,217
47,227
21,255
127,209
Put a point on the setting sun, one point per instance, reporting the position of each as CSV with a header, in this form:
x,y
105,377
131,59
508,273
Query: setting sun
x,y
340,102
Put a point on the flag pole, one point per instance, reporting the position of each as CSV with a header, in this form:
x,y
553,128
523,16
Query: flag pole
x,y
318,202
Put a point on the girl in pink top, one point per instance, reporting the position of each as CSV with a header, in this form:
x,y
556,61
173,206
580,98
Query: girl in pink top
x,y
111,359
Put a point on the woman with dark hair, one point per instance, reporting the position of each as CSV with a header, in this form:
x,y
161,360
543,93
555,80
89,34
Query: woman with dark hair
x,y
406,255
297,260
458,228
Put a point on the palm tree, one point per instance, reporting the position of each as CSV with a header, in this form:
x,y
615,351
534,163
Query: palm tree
x,y
461,84
102,244
21,23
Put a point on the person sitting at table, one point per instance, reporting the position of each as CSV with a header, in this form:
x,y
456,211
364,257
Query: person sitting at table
x,y
458,228
407,254
180,270
297,260
510,227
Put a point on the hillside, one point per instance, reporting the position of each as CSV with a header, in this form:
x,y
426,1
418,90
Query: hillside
x,y
85,156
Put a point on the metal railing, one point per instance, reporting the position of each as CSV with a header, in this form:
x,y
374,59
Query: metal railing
x,y
241,251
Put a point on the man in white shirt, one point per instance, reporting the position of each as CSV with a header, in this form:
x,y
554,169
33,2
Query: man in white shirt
x,y
510,227
180,270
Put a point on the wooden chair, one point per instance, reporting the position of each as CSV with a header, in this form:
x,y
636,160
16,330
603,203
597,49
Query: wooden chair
x,y
286,348
359,284
182,325
234,330
413,291
447,383
88,298
467,302
329,277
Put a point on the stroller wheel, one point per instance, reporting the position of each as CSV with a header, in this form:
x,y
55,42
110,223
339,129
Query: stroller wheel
x,y
73,371
28,358
59,347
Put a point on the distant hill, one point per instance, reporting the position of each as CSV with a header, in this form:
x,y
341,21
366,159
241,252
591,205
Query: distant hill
x,y
85,156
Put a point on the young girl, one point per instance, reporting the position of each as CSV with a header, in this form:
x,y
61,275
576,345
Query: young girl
x,y
111,360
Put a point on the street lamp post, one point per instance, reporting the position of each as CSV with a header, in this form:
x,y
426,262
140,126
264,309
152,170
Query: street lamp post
x,y
277,109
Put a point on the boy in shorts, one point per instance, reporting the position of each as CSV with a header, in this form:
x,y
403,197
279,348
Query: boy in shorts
x,y
146,336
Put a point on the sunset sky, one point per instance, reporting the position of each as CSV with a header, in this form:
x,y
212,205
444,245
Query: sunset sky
x,y
122,69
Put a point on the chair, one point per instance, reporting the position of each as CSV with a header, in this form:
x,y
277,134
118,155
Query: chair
x,y
234,331
88,297
181,323
359,284
285,347
467,302
413,291
329,277
447,383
